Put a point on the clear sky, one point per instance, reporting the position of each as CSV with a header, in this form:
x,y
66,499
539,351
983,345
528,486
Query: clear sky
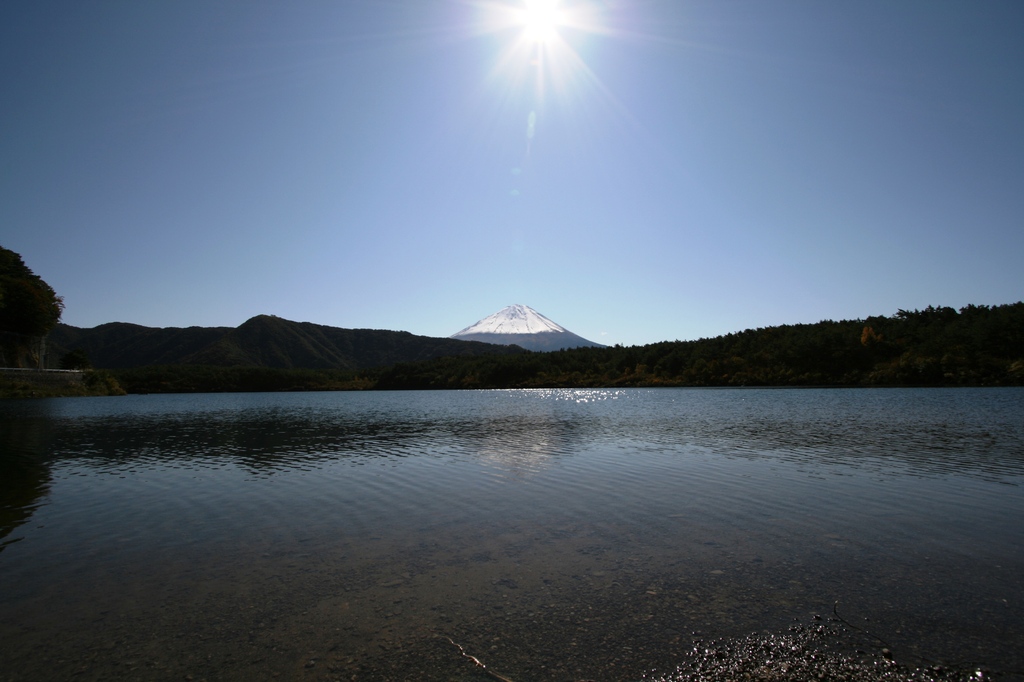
x,y
644,170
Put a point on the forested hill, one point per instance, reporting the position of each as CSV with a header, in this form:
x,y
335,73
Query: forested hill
x,y
977,345
263,341
973,346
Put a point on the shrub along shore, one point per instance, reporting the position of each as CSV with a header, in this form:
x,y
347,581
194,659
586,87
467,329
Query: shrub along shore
x,y
30,383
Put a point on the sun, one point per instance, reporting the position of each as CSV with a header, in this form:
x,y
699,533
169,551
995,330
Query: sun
x,y
538,41
540,20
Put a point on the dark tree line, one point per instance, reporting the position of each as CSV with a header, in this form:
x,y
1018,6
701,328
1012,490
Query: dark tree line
x,y
215,379
977,345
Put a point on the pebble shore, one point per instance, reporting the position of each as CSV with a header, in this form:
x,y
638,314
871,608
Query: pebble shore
x,y
806,653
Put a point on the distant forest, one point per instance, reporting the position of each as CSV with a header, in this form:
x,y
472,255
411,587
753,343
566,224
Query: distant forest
x,y
973,346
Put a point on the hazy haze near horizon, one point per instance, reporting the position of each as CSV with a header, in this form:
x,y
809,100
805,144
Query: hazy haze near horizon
x,y
655,170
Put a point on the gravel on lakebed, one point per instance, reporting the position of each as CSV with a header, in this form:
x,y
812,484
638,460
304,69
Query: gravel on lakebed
x,y
806,653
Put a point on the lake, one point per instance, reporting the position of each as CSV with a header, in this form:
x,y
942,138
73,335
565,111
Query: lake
x,y
551,534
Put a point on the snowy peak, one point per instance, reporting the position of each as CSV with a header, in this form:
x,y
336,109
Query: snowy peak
x,y
515,319
522,326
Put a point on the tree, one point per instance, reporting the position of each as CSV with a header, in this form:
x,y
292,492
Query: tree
x,y
75,359
29,307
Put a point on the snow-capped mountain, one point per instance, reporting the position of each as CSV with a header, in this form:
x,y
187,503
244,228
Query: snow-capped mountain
x,y
523,326
515,319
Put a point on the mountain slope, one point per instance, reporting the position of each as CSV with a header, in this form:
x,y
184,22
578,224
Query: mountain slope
x,y
262,341
523,326
121,344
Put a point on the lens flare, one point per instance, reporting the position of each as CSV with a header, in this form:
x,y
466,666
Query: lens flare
x,y
539,42
539,64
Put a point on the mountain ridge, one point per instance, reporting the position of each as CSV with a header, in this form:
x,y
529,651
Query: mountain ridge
x,y
260,341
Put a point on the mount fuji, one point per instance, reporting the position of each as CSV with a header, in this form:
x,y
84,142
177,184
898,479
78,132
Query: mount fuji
x,y
524,327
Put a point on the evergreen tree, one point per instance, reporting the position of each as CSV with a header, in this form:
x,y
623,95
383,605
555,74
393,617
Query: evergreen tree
x,y
29,307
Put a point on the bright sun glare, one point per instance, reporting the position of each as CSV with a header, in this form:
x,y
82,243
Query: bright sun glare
x,y
538,39
540,20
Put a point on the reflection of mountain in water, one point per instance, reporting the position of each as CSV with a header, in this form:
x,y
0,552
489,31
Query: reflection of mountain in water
x,y
932,432
261,441
520,445
266,441
24,477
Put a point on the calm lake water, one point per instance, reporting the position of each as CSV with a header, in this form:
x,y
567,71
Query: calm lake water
x,y
553,534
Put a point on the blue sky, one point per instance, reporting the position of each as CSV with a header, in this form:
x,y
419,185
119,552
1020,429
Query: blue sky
x,y
652,170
